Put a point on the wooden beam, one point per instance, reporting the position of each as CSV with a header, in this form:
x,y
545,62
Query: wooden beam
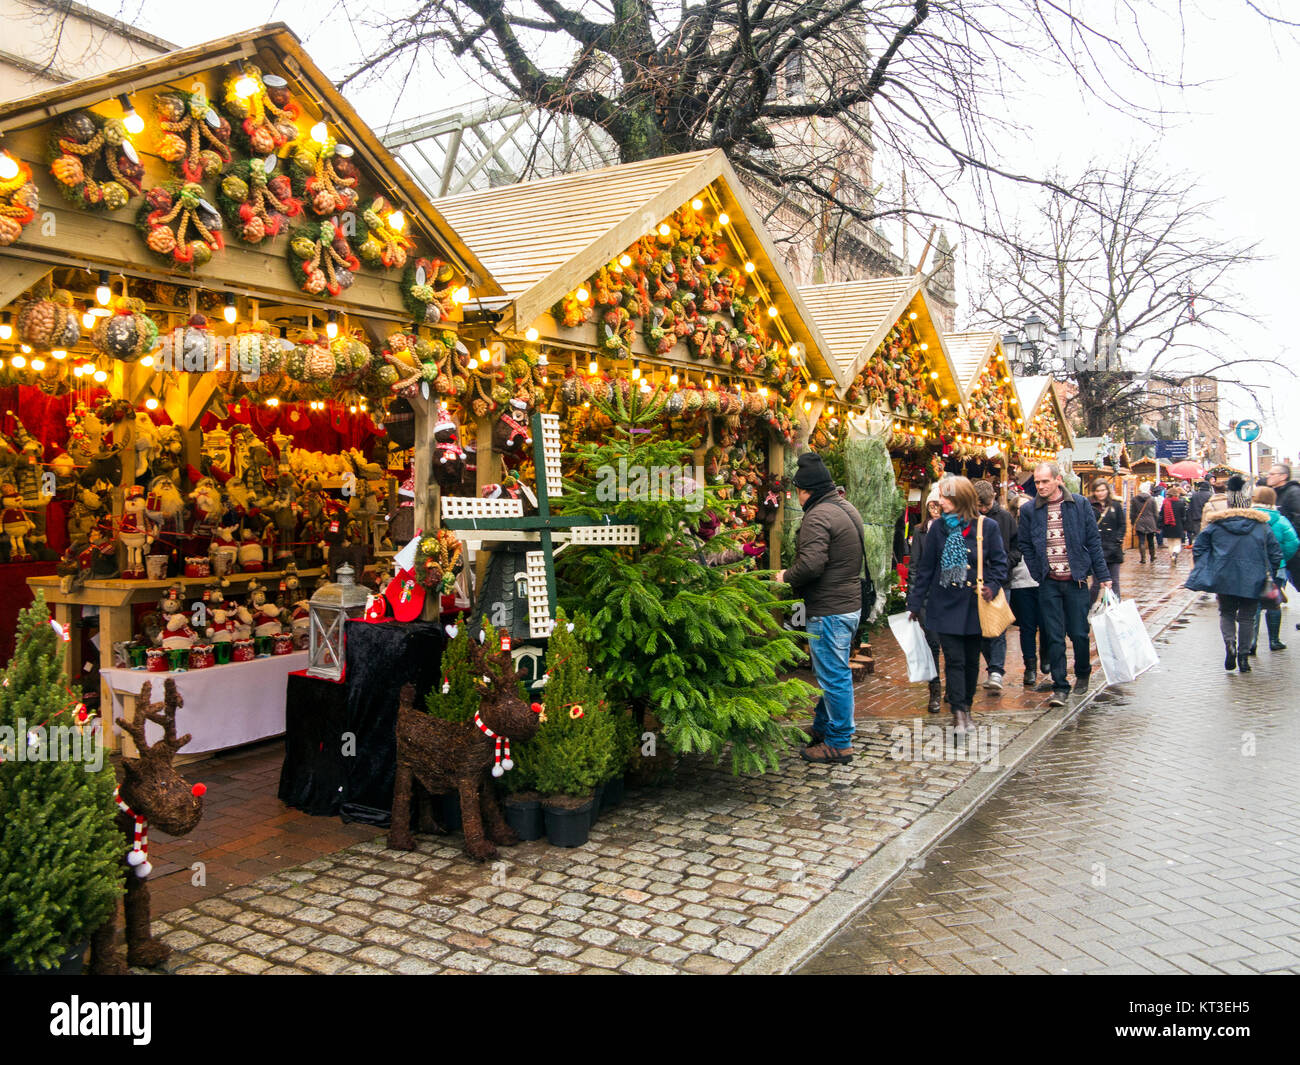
x,y
17,276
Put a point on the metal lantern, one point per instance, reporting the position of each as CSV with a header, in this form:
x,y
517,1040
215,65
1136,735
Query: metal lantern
x,y
330,607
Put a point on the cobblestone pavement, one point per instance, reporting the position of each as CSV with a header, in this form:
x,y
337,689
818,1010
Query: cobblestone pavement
x,y
1158,833
696,877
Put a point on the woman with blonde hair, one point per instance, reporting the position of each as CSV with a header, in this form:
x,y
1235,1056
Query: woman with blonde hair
x,y
942,589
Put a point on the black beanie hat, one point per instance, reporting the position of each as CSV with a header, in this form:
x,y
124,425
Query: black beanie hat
x,y
812,475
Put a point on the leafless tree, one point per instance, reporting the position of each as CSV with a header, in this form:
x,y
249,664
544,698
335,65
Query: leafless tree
x,y
1129,260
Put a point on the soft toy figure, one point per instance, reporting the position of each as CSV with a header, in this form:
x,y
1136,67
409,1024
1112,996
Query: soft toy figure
x,y
206,513
15,522
146,444
265,616
300,623
510,434
222,625
251,555
224,551
135,530
177,633
164,505
449,456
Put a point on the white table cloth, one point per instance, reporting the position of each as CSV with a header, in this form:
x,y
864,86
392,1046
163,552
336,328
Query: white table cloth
x,y
223,706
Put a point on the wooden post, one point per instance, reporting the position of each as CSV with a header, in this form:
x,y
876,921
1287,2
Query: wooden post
x,y
489,465
776,466
427,517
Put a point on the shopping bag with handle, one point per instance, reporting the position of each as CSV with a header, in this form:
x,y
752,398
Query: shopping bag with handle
x,y
911,638
1123,645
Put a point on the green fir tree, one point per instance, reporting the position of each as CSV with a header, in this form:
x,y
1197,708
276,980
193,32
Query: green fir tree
x,y
60,851
461,699
701,647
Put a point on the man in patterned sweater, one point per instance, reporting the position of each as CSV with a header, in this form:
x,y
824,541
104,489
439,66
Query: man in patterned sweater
x,y
1062,547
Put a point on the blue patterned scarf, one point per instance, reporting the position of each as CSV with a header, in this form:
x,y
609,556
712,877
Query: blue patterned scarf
x,y
954,561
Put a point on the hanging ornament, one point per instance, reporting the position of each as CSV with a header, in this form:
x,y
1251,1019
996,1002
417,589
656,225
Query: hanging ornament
x,y
19,202
94,162
427,286
180,226
195,138
48,319
266,118
128,333
327,177
256,200
321,258
198,347
380,240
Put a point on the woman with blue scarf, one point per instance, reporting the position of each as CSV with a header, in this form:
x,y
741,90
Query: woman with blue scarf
x,y
943,588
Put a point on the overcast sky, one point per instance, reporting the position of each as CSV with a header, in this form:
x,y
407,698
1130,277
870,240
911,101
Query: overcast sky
x,y
1237,135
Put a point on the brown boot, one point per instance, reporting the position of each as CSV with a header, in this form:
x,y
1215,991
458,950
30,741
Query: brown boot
x,y
936,696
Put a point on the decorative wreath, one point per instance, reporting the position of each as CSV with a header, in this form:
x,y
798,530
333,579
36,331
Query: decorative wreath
x,y
19,202
94,162
128,333
48,319
378,243
180,225
426,290
256,201
438,558
195,138
327,177
321,258
267,119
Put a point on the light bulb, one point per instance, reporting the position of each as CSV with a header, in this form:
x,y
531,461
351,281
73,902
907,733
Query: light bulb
x,y
749,268
772,312
461,295
103,293
807,404
245,86
320,133
8,167
664,229
87,321
6,327
19,362
397,221
912,316
934,375
943,402
708,383
925,347
332,325
593,368
582,294
151,403
147,361
484,356
229,313
38,365
724,219
101,376
697,204
352,409
59,354
636,372
762,390
586,403
625,261
672,379
812,386
130,119
531,335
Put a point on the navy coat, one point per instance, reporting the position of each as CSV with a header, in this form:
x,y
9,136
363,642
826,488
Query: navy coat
x,y
1234,554
953,610
1082,538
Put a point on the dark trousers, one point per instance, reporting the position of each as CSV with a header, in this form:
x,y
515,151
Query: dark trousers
x,y
932,639
1024,604
1146,545
1237,621
994,650
1190,531
1273,619
961,659
1095,590
1063,611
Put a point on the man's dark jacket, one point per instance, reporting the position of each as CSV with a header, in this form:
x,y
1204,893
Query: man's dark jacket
x,y
1196,505
1288,502
828,558
1008,527
1082,538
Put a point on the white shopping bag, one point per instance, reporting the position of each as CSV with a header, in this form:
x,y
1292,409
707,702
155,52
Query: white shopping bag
x,y
911,638
1125,649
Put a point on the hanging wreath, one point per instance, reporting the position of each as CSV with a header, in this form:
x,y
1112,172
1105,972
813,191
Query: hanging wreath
x,y
128,333
48,319
321,258
19,202
426,290
267,118
254,354
438,558
179,225
257,202
378,243
327,177
572,312
94,162
195,138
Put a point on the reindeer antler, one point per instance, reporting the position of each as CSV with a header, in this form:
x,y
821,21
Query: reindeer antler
x,y
496,665
163,714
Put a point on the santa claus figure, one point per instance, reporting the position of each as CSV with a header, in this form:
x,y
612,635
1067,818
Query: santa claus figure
x,y
135,531
17,525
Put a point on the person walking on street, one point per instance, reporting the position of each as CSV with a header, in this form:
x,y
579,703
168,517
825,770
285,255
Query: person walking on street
x,y
1062,547
1142,513
1288,505
994,649
1196,510
1289,542
944,589
933,514
1024,605
1173,513
1233,557
1112,527
826,574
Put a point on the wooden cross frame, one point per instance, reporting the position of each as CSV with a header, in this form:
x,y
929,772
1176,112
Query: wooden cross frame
x,y
505,519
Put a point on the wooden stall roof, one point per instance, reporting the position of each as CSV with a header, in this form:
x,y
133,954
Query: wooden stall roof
x,y
278,43
542,238
1033,392
969,352
856,317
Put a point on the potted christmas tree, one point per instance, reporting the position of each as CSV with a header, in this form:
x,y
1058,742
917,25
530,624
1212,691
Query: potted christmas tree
x,y
456,700
61,855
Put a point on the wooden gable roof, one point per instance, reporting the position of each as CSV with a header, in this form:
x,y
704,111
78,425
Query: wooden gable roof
x,y
1034,392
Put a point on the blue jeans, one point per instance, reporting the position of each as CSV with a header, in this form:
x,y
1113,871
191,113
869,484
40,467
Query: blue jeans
x,y
1062,612
995,652
831,643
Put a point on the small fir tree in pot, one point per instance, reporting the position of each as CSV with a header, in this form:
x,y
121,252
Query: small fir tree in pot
x,y
61,870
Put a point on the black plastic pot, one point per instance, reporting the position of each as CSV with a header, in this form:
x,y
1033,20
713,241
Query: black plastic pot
x,y
613,793
568,828
450,811
597,798
71,963
526,818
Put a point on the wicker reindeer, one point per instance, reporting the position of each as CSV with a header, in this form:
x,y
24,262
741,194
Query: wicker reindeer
x,y
440,756
152,792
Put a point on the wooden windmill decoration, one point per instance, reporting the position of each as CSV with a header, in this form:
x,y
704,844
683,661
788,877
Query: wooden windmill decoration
x,y
505,520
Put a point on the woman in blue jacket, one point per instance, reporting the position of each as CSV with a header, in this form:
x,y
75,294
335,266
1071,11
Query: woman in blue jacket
x,y
942,588
1233,556
1266,502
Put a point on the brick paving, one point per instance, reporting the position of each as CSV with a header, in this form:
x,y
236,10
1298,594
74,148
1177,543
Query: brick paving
x,y
696,878
1158,833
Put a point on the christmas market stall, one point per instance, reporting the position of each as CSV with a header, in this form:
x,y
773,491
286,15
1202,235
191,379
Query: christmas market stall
x,y
991,415
214,283
1045,432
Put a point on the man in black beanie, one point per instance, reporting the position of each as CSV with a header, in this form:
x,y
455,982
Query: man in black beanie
x,y
826,570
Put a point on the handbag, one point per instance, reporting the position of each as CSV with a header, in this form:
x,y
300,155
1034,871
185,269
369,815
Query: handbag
x,y
1271,593
995,615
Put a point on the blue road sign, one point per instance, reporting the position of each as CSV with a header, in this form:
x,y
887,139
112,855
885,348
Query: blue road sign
x,y
1171,450
1248,430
